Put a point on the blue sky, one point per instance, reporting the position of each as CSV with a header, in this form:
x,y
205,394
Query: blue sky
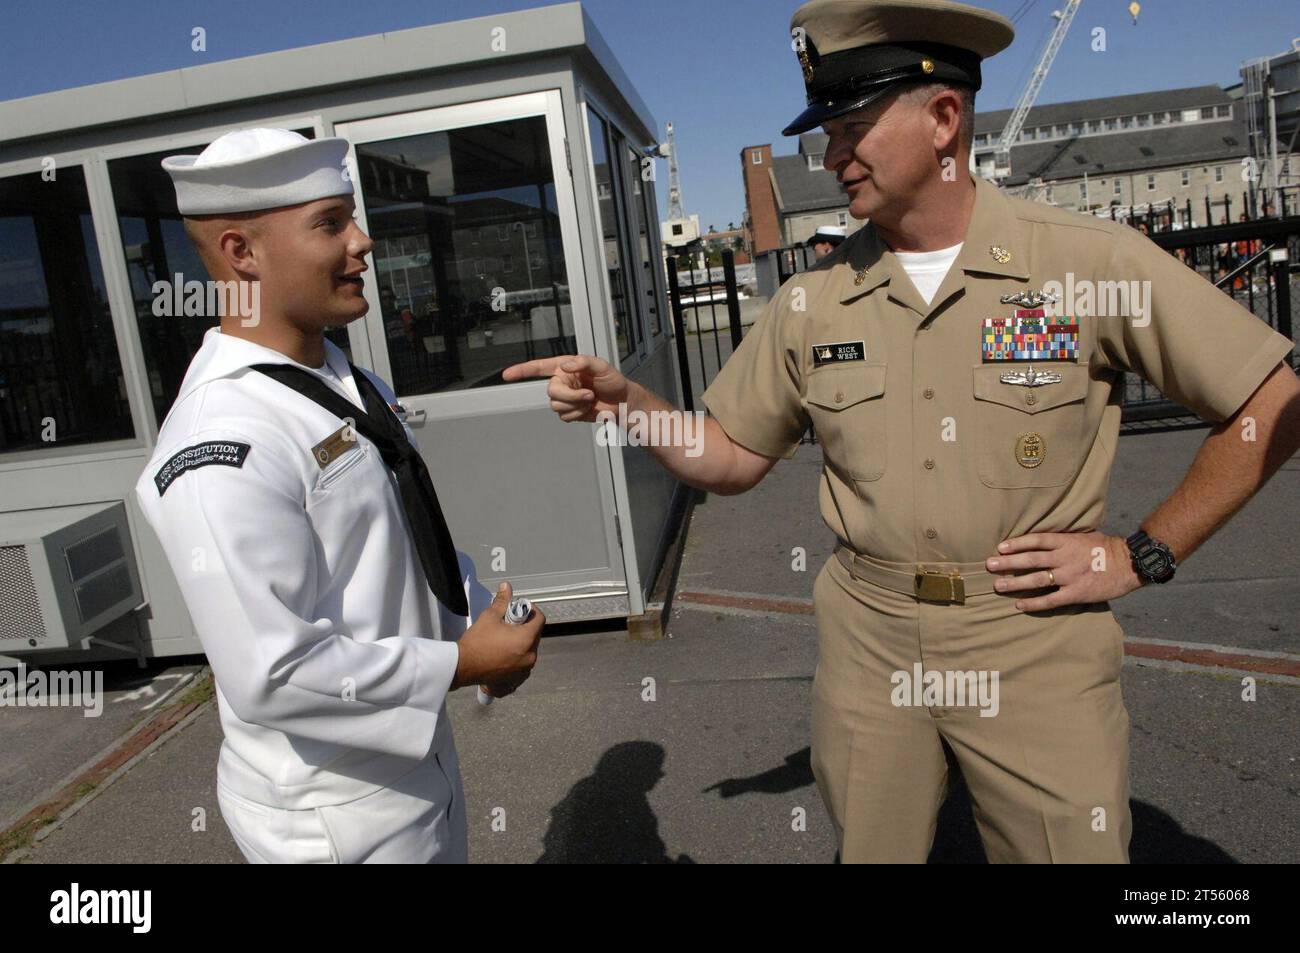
x,y
721,70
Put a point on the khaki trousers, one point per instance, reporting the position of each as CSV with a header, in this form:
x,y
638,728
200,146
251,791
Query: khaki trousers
x,y
1048,773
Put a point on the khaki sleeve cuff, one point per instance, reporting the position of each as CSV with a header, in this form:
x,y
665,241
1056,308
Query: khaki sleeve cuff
x,y
742,434
1247,380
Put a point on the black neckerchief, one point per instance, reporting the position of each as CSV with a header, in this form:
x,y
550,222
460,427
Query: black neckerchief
x,y
380,426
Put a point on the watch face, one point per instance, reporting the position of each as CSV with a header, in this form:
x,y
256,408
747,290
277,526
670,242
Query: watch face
x,y
1155,562
1152,561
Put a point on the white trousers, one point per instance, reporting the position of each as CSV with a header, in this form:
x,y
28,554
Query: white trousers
x,y
418,819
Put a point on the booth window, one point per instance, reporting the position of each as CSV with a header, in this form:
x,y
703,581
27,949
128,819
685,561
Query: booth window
x,y
612,236
646,245
157,248
61,380
460,204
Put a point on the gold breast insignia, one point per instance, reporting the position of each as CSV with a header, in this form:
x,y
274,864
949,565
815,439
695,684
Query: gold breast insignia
x,y
1031,450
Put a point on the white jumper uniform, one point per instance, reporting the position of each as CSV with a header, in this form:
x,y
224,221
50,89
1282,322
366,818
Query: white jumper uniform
x,y
332,658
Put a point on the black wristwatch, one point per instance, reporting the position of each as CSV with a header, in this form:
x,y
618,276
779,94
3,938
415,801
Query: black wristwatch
x,y
1152,559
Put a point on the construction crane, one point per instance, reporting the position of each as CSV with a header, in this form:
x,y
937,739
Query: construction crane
x,y
1016,122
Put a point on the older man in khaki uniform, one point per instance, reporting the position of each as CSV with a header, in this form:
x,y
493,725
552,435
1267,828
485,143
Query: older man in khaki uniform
x,y
960,357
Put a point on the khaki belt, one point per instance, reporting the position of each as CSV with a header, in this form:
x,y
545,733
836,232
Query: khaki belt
x,y
928,582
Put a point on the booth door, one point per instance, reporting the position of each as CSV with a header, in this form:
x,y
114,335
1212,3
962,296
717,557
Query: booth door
x,y
476,266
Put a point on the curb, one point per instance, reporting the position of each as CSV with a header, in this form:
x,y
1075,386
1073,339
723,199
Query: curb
x,y
49,815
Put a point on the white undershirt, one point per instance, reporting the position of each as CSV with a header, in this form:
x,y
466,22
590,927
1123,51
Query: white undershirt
x,y
927,269
329,372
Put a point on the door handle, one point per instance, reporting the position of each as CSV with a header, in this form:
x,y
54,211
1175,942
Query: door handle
x,y
415,416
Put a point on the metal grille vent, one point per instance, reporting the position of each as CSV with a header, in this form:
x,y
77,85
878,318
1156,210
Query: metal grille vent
x,y
103,592
94,553
21,618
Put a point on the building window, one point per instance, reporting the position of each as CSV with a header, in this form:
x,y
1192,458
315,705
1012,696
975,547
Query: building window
x,y
1119,188
756,156
507,262
844,219
61,380
503,233
605,150
1223,111
815,160
1047,195
1191,115
1110,124
1074,129
1218,173
982,139
1161,118
677,230
1126,122
1187,178
1093,126
1083,192
1144,119
1151,183
1207,112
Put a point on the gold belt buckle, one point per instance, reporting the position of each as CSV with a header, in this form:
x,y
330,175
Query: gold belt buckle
x,y
933,585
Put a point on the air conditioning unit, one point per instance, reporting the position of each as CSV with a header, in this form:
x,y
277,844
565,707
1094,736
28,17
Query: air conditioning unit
x,y
65,573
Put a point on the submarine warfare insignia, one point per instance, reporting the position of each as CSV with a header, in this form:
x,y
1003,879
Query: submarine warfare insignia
x,y
1030,377
1031,299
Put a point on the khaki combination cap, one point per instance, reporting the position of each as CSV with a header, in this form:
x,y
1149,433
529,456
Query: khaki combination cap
x,y
852,52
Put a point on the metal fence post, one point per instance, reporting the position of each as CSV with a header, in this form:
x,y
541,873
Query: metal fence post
x,y
733,298
679,332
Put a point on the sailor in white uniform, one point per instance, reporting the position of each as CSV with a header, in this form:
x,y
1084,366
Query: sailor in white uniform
x,y
307,539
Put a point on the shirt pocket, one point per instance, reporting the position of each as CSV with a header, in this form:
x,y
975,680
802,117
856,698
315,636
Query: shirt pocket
x,y
348,463
846,404
1018,424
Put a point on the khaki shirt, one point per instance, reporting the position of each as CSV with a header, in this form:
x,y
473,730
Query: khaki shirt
x,y
929,455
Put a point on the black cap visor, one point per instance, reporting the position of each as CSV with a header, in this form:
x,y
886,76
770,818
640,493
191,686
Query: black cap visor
x,y
818,112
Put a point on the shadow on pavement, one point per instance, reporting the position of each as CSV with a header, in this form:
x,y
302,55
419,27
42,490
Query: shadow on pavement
x,y
606,817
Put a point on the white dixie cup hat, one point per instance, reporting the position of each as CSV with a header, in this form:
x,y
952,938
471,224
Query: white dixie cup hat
x,y
262,168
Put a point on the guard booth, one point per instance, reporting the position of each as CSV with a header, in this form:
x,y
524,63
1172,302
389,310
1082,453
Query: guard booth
x,y
499,167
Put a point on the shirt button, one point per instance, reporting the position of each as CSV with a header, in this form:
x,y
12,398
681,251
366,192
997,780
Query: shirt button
x,y
839,396
929,464
1031,399
930,532
928,392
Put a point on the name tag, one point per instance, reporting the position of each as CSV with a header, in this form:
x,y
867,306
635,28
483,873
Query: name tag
x,y
838,353
334,446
